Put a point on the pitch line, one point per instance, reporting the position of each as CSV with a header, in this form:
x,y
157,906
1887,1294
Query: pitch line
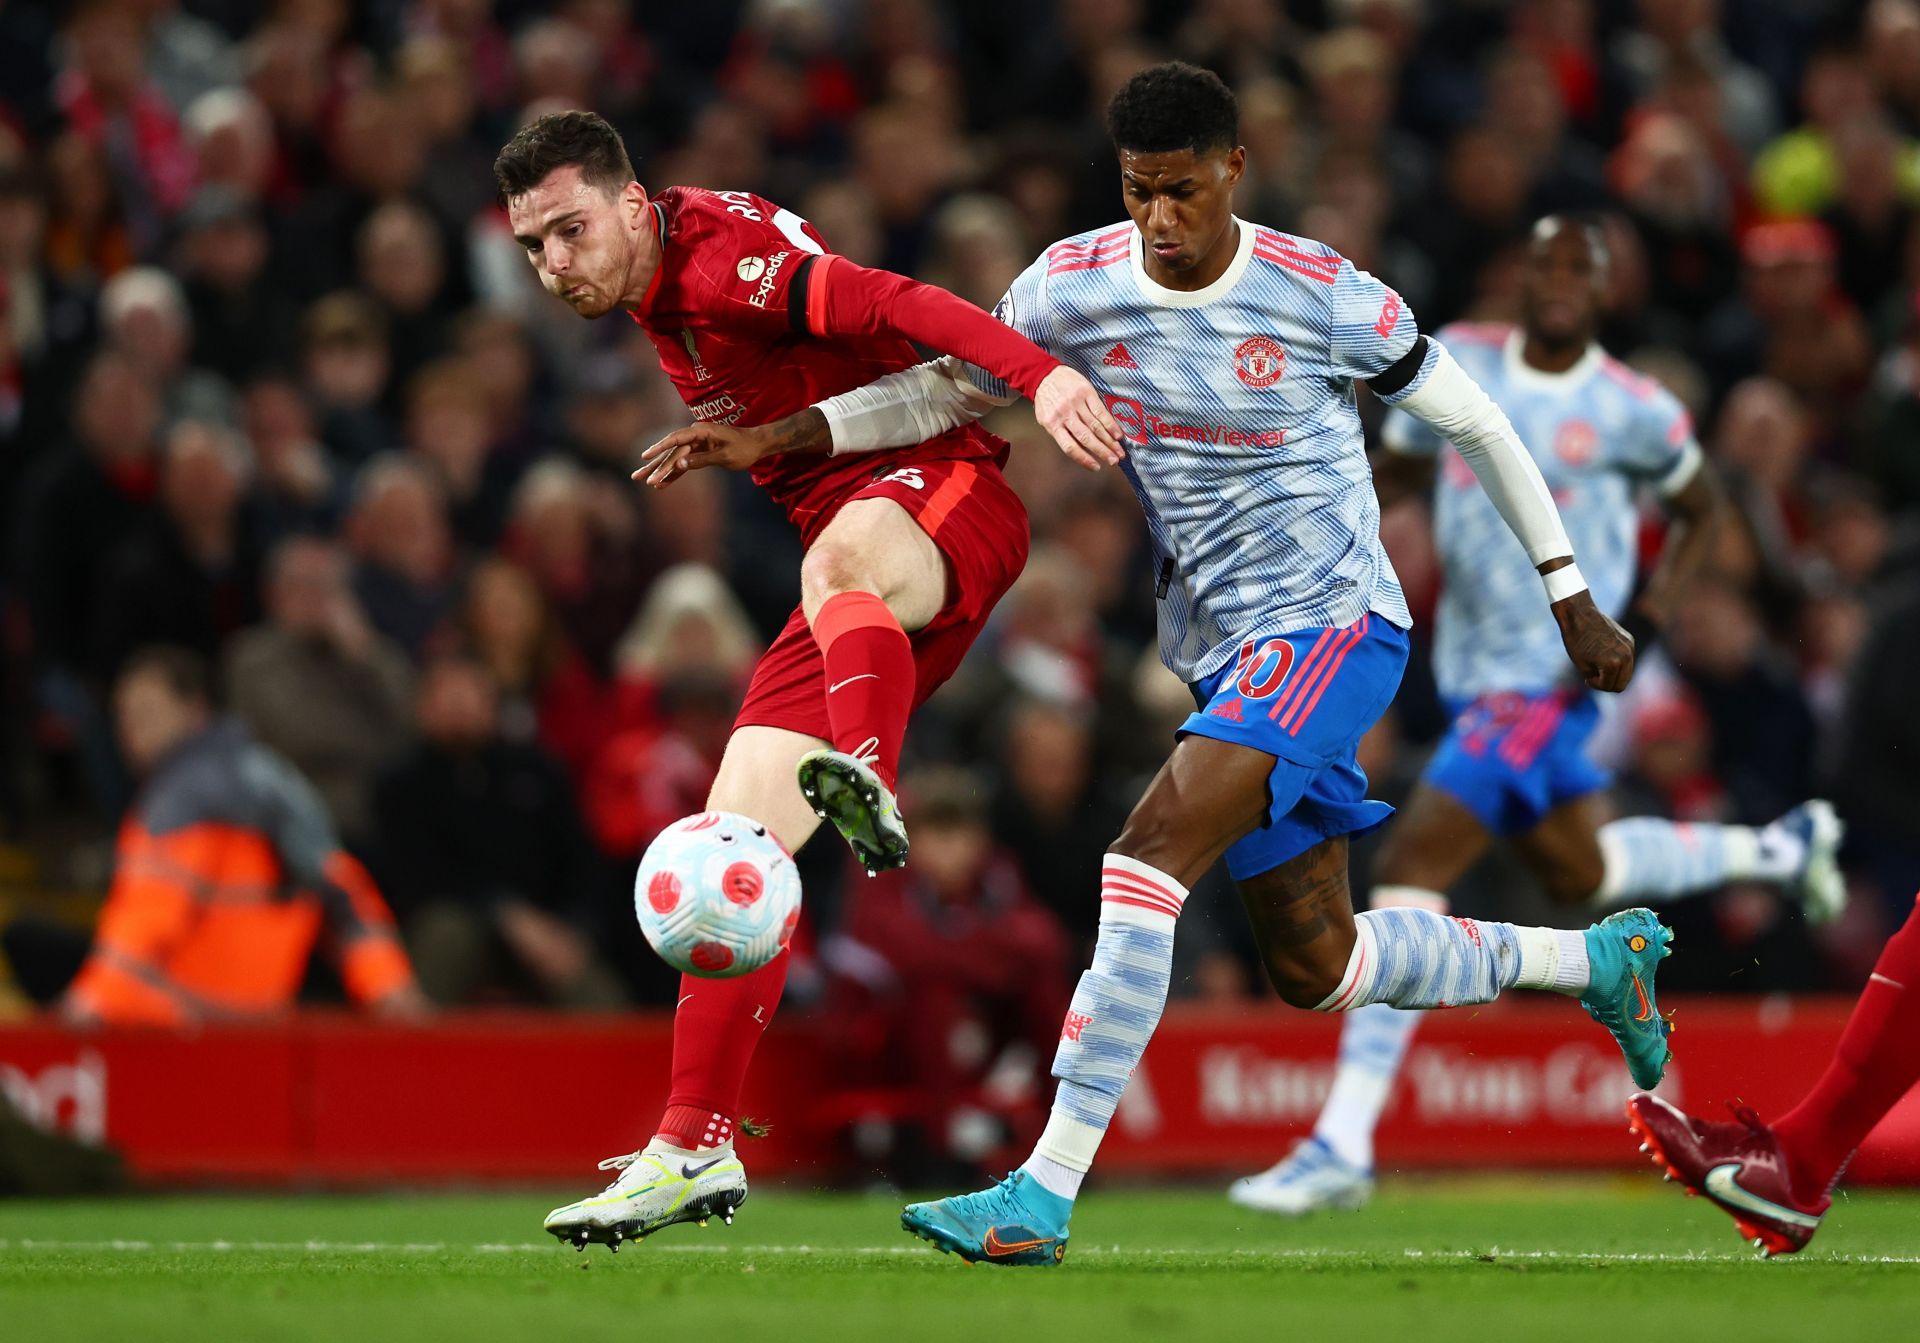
x,y
1495,1255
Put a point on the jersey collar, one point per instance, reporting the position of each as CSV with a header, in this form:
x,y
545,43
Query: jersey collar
x,y
1190,298
659,213
1522,374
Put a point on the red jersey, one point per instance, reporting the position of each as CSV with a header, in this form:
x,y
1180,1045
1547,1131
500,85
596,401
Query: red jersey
x,y
754,320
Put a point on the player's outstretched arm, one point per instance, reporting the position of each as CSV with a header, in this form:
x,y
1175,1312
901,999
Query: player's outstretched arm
x,y
1428,384
845,299
1695,505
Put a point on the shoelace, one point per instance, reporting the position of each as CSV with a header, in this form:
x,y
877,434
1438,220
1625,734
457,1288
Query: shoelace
x,y
998,1202
619,1162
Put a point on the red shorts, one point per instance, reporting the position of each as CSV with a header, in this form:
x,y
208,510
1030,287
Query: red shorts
x,y
978,523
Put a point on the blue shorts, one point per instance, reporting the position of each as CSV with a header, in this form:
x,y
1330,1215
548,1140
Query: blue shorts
x,y
1512,758
1306,698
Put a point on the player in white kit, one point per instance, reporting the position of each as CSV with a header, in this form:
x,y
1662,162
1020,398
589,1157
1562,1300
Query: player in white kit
x,y
1514,766
1229,354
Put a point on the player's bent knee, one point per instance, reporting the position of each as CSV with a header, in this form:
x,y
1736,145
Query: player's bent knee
x,y
1306,978
831,567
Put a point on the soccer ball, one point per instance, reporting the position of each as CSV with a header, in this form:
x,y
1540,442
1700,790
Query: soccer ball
x,y
717,895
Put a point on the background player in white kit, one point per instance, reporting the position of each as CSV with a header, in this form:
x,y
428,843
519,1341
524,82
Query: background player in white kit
x,y
1514,765
1229,354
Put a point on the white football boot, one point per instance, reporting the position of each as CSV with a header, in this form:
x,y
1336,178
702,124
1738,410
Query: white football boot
x,y
1311,1179
657,1187
1821,887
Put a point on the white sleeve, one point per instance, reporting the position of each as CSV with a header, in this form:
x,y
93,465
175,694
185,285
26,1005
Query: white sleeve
x,y
1454,405
906,408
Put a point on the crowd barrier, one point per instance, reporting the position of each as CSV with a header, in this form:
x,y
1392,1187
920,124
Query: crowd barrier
x,y
332,1099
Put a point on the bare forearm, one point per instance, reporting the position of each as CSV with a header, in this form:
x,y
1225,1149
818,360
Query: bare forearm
x,y
1688,552
804,432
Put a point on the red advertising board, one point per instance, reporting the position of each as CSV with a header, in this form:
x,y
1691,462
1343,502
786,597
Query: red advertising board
x,y
492,1096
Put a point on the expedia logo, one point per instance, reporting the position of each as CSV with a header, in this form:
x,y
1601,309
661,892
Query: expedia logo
x,y
772,273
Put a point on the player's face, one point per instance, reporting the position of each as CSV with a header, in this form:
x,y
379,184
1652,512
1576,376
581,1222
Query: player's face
x,y
1181,202
584,242
1562,285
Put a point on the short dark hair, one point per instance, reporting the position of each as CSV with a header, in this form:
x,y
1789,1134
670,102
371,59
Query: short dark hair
x,y
184,672
562,140
1174,106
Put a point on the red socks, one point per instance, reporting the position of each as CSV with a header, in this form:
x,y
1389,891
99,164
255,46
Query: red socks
x,y
1877,1062
870,678
714,1034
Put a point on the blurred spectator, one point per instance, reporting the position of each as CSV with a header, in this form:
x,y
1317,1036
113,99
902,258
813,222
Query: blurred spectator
x,y
106,99
681,670
1673,32
1050,810
405,571
82,499
547,692
44,326
402,266
231,134
582,548
1762,729
1791,320
240,319
226,876
448,428
296,483
186,55
190,575
942,970
347,362
144,315
318,684
1799,172
87,234
483,851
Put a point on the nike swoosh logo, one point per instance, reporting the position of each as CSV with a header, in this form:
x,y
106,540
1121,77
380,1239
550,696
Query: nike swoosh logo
x,y
1722,1182
683,1002
863,676
995,1248
1646,1008
689,1172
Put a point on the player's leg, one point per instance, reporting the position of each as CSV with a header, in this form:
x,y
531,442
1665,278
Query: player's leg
x,y
1646,858
1430,845
1777,1181
688,1170
1208,794
869,580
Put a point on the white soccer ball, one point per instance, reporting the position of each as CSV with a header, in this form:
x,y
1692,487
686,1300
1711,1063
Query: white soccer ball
x,y
717,895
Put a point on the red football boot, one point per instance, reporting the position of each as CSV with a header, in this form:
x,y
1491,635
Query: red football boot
x,y
1739,1166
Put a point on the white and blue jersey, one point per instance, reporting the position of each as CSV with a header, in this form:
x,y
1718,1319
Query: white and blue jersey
x,y
1599,432
1243,443
1278,605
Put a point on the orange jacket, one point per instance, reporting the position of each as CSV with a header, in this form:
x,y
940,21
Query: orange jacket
x,y
228,872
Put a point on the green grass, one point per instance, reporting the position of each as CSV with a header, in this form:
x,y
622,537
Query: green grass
x,y
1486,1260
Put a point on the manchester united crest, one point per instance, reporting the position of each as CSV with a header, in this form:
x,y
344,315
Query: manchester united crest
x,y
1576,442
1258,361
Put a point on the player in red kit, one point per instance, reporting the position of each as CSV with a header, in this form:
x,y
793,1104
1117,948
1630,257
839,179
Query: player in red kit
x,y
906,552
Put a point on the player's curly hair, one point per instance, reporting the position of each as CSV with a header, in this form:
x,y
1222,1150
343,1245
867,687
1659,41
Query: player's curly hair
x,y
1174,106
561,140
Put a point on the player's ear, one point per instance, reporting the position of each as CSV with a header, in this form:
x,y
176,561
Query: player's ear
x,y
633,198
1236,165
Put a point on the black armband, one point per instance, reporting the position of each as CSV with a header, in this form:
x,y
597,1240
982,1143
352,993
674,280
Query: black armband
x,y
797,295
1397,375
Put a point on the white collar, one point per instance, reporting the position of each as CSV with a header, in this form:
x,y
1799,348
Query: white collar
x,y
1191,298
1523,374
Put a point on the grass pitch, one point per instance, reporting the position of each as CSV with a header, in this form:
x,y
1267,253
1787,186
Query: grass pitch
x,y
1480,1261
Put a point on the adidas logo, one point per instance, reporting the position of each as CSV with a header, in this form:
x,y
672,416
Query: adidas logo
x,y
1118,357
1230,711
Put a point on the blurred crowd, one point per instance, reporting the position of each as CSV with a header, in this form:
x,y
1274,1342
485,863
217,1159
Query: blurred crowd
x,y
278,389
